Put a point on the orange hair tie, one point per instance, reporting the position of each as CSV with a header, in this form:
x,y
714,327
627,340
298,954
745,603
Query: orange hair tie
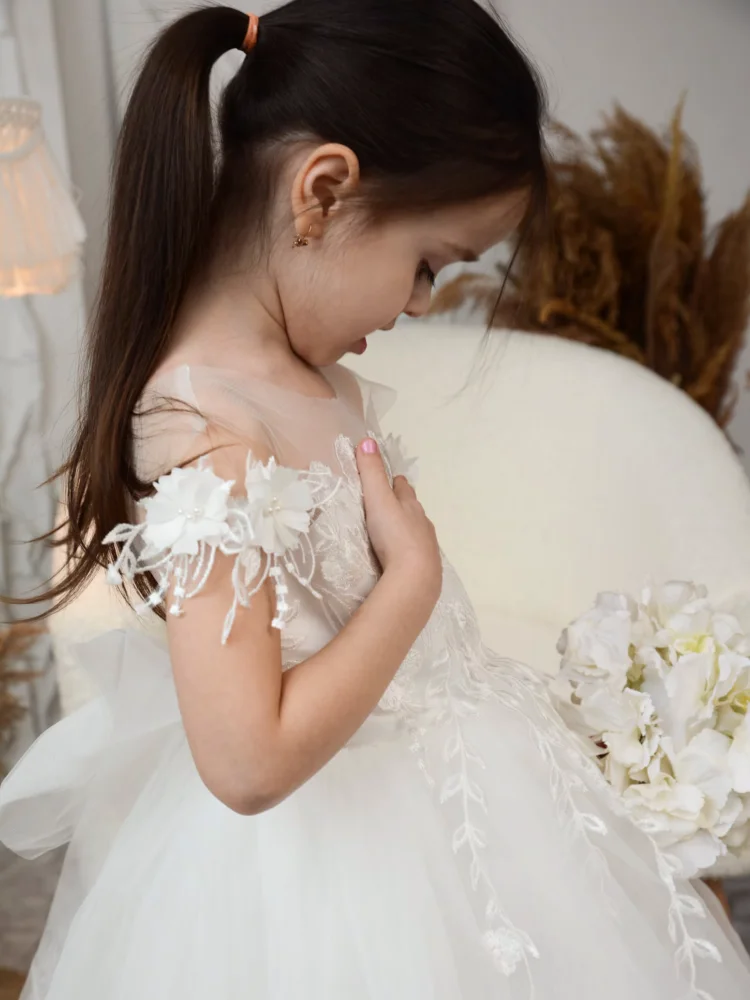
x,y
251,38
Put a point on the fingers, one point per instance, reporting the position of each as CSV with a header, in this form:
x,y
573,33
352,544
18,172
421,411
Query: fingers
x,y
403,489
405,494
372,472
375,484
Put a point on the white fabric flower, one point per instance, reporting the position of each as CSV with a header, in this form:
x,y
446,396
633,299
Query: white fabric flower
x,y
192,517
400,463
189,506
279,505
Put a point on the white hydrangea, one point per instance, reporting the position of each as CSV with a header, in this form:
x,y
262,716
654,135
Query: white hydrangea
x,y
662,686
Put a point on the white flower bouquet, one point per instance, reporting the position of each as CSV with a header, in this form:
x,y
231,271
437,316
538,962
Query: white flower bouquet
x,y
661,686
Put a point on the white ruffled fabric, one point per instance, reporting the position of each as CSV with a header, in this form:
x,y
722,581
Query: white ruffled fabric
x,y
463,846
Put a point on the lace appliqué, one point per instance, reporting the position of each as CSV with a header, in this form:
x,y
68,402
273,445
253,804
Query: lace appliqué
x,y
350,570
446,677
580,776
191,517
348,566
453,695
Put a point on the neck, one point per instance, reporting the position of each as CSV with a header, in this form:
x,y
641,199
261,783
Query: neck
x,y
235,321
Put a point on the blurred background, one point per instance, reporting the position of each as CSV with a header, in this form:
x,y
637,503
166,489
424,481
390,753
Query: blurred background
x,y
75,59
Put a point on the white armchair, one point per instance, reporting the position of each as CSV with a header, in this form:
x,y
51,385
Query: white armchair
x,y
560,471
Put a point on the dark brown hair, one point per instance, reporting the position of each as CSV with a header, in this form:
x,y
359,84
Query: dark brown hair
x,y
435,99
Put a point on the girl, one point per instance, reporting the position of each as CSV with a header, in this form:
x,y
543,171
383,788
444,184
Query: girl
x,y
314,781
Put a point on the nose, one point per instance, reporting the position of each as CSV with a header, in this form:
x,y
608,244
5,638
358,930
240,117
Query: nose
x,y
419,303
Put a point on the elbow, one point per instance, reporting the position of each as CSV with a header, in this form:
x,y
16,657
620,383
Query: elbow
x,y
252,804
249,798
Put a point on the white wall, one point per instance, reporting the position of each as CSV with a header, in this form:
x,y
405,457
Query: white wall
x,y
132,24
644,54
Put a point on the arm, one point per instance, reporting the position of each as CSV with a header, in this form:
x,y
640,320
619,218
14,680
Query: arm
x,y
257,734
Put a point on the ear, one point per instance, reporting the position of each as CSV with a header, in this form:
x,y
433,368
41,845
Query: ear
x,y
329,176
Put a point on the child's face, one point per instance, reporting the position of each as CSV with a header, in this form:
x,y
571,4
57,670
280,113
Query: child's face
x,y
354,280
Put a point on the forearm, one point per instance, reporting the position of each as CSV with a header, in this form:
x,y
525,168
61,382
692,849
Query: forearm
x,y
326,699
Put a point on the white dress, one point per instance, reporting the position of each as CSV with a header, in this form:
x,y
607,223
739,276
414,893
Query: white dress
x,y
463,846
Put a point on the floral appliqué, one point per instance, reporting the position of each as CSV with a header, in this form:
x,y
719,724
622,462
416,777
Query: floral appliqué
x,y
192,516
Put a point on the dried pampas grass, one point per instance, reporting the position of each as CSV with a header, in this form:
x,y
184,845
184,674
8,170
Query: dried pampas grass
x,y
629,264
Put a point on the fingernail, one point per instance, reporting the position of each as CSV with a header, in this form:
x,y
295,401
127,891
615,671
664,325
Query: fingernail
x,y
369,447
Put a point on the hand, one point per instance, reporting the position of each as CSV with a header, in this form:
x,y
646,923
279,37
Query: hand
x,y
402,535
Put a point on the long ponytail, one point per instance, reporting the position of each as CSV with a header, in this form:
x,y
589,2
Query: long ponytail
x,y
162,193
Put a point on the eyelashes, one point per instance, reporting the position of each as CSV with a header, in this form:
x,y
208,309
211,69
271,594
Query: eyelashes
x,y
425,273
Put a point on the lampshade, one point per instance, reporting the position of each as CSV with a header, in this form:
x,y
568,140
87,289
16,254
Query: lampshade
x,y
41,230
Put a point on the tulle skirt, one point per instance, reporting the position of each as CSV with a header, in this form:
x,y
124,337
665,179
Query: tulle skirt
x,y
407,869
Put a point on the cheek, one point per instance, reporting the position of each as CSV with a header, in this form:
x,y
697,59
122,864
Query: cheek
x,y
336,299
378,287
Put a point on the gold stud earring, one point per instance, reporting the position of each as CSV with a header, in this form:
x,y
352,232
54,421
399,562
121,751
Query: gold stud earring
x,y
302,241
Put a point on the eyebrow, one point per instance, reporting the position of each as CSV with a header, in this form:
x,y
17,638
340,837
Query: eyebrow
x,y
463,254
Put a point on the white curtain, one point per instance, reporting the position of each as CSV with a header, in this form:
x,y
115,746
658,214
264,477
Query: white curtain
x,y
38,342
26,507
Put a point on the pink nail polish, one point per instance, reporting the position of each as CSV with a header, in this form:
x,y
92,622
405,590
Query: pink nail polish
x,y
369,447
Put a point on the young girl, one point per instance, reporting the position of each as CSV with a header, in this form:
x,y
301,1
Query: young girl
x,y
303,776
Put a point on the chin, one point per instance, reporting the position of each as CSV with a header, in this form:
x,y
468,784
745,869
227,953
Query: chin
x,y
316,356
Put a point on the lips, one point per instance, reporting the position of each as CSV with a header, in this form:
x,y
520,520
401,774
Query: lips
x,y
360,346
